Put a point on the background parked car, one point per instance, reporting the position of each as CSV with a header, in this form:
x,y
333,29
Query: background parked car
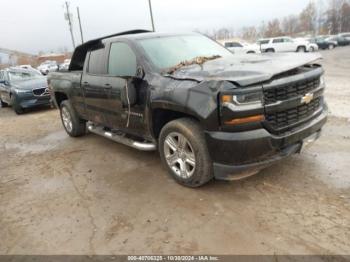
x,y
345,35
283,44
239,47
47,67
341,41
30,68
65,65
21,88
324,43
311,46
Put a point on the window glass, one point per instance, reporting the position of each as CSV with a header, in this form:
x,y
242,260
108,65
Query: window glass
x,y
165,52
287,40
122,60
97,62
263,42
1,75
277,40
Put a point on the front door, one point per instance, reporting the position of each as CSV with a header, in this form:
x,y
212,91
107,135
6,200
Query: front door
x,y
122,64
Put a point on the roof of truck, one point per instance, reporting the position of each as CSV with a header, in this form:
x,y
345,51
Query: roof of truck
x,y
78,58
80,51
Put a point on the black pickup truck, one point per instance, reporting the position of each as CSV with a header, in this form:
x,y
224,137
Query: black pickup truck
x,y
209,112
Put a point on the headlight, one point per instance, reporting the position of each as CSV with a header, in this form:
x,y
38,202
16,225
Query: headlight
x,y
23,91
252,98
243,99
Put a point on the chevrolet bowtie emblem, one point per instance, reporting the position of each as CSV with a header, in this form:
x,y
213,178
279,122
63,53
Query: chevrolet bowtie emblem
x,y
307,98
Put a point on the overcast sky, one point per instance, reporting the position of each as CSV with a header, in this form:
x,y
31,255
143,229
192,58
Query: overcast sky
x,y
39,25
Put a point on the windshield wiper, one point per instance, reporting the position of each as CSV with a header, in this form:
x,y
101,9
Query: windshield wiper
x,y
199,60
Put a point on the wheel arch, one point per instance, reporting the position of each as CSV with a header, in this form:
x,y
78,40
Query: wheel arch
x,y
162,116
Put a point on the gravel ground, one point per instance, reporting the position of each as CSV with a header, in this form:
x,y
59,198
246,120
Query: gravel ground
x,y
60,195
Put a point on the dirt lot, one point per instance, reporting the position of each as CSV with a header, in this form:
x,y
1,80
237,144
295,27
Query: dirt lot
x,y
60,195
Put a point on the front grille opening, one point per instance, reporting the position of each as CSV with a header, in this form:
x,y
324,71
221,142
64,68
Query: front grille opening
x,y
283,119
40,91
281,93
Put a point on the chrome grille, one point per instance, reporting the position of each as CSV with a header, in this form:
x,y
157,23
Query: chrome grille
x,y
285,118
280,93
41,91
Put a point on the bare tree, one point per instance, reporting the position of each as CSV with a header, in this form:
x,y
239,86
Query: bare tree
x,y
290,25
345,17
308,18
273,28
249,33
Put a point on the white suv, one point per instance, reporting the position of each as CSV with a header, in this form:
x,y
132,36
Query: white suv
x,y
239,47
285,44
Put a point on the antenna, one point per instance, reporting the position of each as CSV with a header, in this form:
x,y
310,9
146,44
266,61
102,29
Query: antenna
x,y
68,16
81,30
151,13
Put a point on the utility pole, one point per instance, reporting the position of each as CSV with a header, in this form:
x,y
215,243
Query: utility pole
x,y
81,30
68,17
150,10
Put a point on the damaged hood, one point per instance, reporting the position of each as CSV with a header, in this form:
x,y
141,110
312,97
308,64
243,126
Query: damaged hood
x,y
245,69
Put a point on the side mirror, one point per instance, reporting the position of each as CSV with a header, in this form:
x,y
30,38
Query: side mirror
x,y
128,93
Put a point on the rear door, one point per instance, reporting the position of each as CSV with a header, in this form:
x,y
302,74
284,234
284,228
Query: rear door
x,y
289,45
94,86
278,45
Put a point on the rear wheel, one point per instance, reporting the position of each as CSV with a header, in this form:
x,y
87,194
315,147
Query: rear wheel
x,y
301,49
73,125
184,153
312,49
270,50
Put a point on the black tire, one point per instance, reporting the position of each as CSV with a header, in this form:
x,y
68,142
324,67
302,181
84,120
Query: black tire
x,y
16,107
312,49
190,129
78,127
251,52
3,104
301,49
270,50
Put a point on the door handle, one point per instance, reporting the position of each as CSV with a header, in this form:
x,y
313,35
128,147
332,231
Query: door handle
x,y
108,86
85,83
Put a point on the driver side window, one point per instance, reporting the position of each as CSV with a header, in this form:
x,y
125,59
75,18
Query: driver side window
x,y
122,60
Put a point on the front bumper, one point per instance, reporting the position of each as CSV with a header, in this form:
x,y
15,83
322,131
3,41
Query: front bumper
x,y
239,153
32,101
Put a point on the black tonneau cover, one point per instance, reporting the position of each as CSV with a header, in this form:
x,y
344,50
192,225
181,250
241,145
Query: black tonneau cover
x,y
78,58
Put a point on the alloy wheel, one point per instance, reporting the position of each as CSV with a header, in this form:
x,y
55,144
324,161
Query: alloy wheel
x,y
67,119
179,155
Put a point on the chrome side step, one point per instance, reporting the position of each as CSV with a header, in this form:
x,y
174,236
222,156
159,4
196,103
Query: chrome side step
x,y
120,138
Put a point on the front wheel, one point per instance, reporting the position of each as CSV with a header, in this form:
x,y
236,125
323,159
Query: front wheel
x,y
184,153
16,107
3,104
73,125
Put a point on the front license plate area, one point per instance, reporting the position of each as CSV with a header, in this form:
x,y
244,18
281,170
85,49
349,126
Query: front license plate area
x,y
310,140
